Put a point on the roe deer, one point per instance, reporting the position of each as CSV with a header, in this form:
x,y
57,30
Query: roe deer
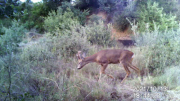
x,y
109,56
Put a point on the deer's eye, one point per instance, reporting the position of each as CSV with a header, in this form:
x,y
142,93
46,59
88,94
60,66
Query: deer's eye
x,y
79,62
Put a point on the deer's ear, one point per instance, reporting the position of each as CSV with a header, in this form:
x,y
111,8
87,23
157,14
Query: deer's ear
x,y
78,55
83,55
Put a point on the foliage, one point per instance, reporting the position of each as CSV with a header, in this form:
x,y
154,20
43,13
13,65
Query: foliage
x,y
146,11
169,6
13,35
152,14
8,60
60,21
67,46
120,23
108,6
65,17
87,4
170,78
37,51
52,5
161,49
34,13
94,19
14,79
81,15
4,23
98,33
33,17
129,11
178,12
7,8
50,74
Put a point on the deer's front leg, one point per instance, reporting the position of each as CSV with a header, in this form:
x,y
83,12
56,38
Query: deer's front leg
x,y
103,68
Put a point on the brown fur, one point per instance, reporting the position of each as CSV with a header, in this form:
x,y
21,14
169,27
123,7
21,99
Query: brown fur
x,y
109,56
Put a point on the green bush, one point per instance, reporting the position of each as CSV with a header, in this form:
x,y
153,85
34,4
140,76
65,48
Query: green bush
x,y
120,23
170,78
178,13
151,14
60,21
80,14
94,18
67,46
160,49
4,23
16,74
98,33
12,36
33,16
63,19
129,11
38,52
169,6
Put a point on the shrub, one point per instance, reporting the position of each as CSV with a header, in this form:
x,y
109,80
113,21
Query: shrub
x,y
68,46
80,14
151,14
94,18
33,16
178,13
120,23
170,6
38,52
60,21
160,49
98,33
13,35
63,19
4,23
124,10
170,78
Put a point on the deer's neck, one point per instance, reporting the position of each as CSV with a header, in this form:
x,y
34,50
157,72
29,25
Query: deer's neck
x,y
89,59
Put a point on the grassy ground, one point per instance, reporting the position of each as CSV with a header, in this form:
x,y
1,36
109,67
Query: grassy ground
x,y
57,79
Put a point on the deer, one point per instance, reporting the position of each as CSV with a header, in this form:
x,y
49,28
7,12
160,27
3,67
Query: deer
x,y
109,56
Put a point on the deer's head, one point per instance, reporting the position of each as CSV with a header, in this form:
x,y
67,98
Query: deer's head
x,y
80,57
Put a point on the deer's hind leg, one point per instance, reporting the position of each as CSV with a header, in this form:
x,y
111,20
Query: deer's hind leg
x,y
134,68
127,71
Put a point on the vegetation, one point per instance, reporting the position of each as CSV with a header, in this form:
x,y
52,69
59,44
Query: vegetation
x,y
42,66
148,18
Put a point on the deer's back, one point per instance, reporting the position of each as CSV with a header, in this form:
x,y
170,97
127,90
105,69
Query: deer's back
x,y
113,55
